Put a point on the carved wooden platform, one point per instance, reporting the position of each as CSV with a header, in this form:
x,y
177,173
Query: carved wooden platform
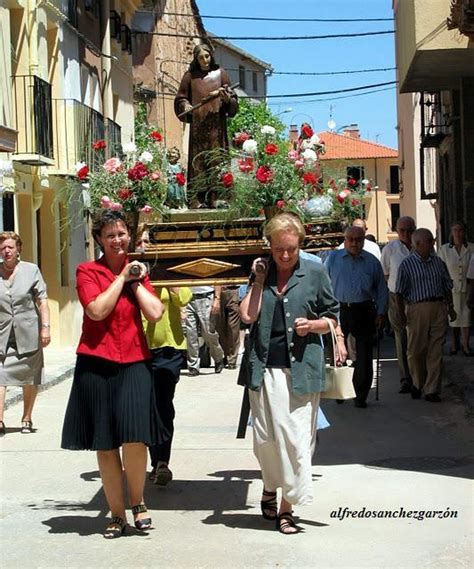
x,y
217,252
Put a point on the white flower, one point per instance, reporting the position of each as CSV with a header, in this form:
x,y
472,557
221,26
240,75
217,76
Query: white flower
x,y
319,206
79,165
309,155
365,181
129,147
145,157
250,146
86,185
267,129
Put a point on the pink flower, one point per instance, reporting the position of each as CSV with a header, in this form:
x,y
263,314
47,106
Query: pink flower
x,y
246,165
112,165
147,209
116,205
240,138
105,201
280,204
293,155
299,164
156,175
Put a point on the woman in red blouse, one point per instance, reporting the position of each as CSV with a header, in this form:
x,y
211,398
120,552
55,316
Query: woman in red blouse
x,y
111,400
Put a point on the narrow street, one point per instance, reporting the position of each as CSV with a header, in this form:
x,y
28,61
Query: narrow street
x,y
396,456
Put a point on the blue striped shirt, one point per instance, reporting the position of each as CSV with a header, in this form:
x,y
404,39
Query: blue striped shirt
x,y
419,279
357,279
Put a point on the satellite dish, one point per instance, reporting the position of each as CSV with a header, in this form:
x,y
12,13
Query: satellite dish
x,y
331,124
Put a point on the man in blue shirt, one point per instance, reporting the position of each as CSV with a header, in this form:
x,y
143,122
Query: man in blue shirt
x,y
359,285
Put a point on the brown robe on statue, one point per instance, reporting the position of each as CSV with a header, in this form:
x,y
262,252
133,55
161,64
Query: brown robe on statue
x,y
208,124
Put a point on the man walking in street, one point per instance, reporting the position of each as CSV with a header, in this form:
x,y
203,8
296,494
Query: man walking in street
x,y
392,255
369,246
424,300
359,285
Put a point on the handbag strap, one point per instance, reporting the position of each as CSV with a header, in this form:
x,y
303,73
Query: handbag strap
x,y
332,331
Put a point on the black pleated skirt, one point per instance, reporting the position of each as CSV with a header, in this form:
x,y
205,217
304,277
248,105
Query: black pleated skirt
x,y
110,404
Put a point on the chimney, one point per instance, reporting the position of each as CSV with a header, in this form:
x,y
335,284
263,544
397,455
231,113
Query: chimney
x,y
352,131
293,133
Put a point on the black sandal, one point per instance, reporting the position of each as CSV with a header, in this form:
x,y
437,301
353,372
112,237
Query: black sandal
x,y
26,427
144,523
285,521
269,505
115,528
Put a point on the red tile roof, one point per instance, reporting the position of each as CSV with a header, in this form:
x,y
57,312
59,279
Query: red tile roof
x,y
341,146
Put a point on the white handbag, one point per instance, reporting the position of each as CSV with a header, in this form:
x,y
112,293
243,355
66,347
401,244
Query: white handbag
x,y
338,378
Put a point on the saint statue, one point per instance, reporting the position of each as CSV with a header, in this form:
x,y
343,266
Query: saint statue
x,y
205,100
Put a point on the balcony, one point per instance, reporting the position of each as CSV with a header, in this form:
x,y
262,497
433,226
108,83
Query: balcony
x,y
32,118
430,56
76,127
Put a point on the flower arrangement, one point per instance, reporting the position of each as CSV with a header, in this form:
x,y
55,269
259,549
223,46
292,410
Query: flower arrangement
x,y
133,182
264,174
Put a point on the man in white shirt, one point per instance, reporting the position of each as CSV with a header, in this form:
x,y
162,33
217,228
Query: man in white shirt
x,y
369,245
392,255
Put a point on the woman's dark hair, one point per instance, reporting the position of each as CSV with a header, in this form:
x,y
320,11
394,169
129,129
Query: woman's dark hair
x,y
194,65
463,225
105,217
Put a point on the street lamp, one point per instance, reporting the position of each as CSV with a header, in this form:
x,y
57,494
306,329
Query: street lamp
x,y
288,110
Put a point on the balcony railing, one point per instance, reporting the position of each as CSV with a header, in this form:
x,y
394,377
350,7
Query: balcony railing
x,y
32,118
76,127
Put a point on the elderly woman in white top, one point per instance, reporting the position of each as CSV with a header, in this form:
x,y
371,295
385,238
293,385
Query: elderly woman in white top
x,y
24,326
456,254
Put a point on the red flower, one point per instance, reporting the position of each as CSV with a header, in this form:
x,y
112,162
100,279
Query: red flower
x,y
271,149
157,136
240,138
124,194
180,178
264,174
99,145
351,182
310,178
307,131
246,164
355,202
83,172
227,180
138,172
339,198
280,204
368,188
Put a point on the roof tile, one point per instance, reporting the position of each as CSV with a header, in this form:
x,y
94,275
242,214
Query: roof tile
x,y
342,146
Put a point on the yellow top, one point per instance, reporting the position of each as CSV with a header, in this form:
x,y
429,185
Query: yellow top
x,y
168,331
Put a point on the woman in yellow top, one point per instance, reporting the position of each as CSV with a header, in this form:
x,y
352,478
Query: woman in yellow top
x,y
167,344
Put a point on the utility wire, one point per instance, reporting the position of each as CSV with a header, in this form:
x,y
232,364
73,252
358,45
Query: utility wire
x,y
336,98
268,38
351,89
264,19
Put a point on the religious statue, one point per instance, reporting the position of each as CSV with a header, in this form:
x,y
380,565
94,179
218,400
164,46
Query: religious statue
x,y
176,196
205,99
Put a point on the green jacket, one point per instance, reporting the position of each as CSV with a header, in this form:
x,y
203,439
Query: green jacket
x,y
309,295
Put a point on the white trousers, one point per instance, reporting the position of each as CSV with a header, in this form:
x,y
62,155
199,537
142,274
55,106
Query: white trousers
x,y
284,436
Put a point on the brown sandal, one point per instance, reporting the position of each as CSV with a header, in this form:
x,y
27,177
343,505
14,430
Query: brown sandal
x,y
115,528
269,505
26,427
285,521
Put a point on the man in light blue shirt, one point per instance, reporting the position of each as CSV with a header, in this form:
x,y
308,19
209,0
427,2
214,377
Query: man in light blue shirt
x,y
359,285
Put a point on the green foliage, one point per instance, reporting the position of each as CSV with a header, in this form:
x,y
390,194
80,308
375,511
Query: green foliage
x,y
251,117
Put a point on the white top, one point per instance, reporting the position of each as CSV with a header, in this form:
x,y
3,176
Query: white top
x,y
369,246
470,270
457,264
392,255
202,289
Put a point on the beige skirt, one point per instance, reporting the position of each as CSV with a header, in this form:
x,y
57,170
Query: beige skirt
x,y
463,314
284,436
24,369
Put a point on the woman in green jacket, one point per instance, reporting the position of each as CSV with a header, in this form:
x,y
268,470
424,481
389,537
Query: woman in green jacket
x,y
286,303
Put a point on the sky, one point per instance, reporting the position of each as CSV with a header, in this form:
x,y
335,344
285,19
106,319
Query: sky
x,y
374,113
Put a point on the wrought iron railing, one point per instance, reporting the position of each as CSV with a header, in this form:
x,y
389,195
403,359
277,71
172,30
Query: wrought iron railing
x,y
76,128
32,117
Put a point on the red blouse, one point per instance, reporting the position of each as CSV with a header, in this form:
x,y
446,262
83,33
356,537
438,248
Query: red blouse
x,y
119,337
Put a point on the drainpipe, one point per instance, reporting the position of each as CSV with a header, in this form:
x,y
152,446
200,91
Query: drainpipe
x,y
376,201
32,26
106,62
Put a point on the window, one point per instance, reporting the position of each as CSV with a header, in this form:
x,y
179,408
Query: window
x,y
356,173
241,76
254,81
394,180
8,199
395,211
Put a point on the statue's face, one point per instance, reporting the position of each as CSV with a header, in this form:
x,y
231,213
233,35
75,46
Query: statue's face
x,y
204,60
173,156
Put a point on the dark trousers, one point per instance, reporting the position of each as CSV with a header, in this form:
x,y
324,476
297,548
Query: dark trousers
x,y
359,321
228,324
166,366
